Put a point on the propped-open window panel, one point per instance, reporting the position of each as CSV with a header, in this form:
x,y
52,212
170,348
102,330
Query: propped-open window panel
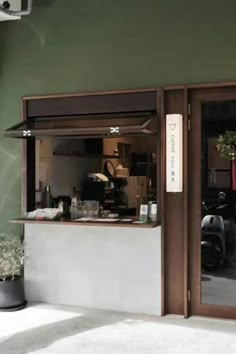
x,y
86,126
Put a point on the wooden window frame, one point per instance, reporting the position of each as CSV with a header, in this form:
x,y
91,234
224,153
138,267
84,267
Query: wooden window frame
x,y
28,145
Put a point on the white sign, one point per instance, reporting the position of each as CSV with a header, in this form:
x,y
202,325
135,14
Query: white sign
x,y
174,153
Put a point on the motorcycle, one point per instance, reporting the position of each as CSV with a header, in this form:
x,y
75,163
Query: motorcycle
x,y
217,236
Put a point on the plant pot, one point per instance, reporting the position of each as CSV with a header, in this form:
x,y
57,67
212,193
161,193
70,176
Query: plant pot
x,y
12,294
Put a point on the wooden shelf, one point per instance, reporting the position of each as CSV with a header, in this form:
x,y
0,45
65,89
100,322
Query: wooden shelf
x,y
81,155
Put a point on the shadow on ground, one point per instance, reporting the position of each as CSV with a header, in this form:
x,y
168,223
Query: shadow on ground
x,y
41,337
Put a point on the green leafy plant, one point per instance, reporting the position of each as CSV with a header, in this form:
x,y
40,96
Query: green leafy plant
x,y
11,257
227,145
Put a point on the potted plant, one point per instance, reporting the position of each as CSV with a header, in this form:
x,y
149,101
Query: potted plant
x,y
227,149
12,296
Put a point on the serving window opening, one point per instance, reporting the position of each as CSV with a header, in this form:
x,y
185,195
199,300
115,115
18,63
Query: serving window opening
x,y
99,179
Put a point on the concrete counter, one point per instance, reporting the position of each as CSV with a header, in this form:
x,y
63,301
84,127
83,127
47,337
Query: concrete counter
x,y
100,267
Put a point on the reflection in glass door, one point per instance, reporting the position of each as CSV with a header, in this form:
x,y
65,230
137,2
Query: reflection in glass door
x,y
218,219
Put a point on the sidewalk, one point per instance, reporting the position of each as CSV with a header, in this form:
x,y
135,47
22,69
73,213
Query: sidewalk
x,y
49,329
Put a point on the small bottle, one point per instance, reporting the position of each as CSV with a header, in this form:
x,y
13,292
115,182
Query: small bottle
x,y
74,205
61,206
143,215
47,198
149,218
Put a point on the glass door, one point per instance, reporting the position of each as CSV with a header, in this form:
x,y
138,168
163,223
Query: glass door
x,y
212,178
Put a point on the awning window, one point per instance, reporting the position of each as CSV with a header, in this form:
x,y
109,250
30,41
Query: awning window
x,y
86,126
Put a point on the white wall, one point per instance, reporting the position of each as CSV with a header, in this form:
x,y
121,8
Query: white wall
x,y
99,267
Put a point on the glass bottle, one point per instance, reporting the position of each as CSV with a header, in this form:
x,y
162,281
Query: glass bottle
x,y
74,204
47,198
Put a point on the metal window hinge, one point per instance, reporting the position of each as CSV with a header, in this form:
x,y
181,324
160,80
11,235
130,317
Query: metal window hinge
x,y
26,133
189,124
189,109
189,296
114,130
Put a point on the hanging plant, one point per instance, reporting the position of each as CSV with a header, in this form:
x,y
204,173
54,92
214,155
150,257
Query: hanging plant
x,y
227,145
227,149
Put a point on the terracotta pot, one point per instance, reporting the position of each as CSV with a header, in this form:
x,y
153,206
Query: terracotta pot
x,y
12,294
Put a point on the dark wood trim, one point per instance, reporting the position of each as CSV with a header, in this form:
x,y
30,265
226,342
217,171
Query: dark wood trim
x,y
162,197
194,203
173,228
200,86
226,312
212,85
27,167
158,153
122,103
23,162
185,202
30,173
156,88
214,94
174,88
90,93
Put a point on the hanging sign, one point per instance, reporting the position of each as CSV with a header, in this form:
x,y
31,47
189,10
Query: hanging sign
x,y
174,153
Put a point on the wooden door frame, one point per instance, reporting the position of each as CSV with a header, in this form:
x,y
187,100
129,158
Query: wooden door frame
x,y
194,214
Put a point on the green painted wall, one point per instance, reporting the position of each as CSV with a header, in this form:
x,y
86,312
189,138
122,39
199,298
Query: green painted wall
x,y
83,45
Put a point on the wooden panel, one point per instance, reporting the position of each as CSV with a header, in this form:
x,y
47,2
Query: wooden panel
x,y
23,163
27,168
226,84
186,203
89,93
92,104
162,197
174,228
160,151
30,174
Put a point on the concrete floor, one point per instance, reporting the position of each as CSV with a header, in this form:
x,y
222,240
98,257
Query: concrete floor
x,y
49,329
218,290
219,286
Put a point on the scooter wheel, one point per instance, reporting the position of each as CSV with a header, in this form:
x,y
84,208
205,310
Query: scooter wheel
x,y
211,255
